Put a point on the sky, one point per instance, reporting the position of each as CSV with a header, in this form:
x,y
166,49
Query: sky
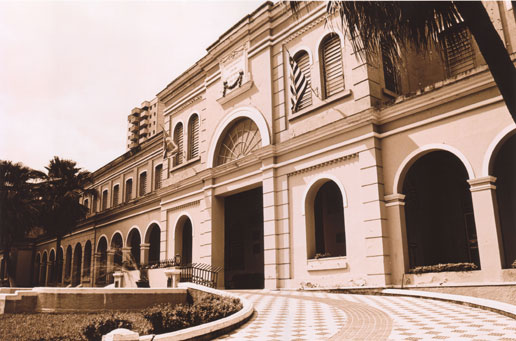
x,y
70,72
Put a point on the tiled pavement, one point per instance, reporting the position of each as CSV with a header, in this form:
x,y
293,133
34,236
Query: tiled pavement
x,y
294,315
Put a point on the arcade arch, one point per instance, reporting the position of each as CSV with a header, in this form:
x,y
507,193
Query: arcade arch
x,y
183,239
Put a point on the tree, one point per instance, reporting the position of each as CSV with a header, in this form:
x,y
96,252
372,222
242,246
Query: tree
x,y
19,205
65,184
396,25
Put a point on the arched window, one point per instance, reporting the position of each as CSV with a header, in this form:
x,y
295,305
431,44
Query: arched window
x,y
128,189
143,183
153,238
86,203
505,173
77,265
43,280
183,240
178,139
51,268
240,140
326,235
116,245
332,70
134,242
87,259
68,265
102,266
439,212
303,62
158,172
59,265
193,137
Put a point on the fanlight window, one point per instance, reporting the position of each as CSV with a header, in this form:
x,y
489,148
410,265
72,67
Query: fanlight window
x,y
240,140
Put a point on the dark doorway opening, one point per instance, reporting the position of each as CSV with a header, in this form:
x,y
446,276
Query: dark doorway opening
x,y
505,173
439,212
243,242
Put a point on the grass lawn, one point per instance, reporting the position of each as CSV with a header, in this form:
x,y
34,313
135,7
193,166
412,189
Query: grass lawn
x,y
59,326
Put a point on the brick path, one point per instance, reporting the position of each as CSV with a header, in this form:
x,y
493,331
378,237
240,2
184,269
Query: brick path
x,y
294,315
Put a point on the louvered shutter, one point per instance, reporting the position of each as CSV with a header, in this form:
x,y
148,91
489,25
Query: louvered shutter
x,y
143,183
178,139
459,52
157,176
193,134
332,66
115,195
303,62
128,189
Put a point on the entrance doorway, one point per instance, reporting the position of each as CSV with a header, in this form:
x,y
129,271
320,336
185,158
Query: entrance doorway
x,y
243,251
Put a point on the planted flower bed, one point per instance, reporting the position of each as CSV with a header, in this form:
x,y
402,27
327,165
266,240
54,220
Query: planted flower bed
x,y
87,326
444,268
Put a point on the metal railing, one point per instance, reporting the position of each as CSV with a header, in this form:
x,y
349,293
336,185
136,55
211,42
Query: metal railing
x,y
198,273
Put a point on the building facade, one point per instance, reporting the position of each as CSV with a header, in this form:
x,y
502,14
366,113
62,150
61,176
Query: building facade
x,y
376,171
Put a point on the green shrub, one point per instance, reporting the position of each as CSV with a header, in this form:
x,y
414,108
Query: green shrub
x,y
168,318
444,267
100,326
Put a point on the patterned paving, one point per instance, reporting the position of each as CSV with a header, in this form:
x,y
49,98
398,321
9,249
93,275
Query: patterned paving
x,y
294,315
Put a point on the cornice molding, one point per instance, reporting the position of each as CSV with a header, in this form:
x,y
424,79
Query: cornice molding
x,y
323,164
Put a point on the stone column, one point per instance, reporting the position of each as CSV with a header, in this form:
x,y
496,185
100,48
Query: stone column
x,y
490,246
144,253
110,265
126,254
395,211
96,267
373,214
47,275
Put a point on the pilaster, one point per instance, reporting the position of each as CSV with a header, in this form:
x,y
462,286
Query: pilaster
x,y
373,214
490,247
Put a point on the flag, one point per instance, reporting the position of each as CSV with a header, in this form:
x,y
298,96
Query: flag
x,y
170,148
298,84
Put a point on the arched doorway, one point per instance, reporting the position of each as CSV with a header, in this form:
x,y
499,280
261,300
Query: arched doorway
x,y
51,268
43,280
183,240
505,172
325,235
77,265
37,265
102,266
116,246
68,265
133,241
153,238
86,269
439,212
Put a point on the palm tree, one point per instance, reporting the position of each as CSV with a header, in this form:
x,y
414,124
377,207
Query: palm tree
x,y
19,205
397,25
65,184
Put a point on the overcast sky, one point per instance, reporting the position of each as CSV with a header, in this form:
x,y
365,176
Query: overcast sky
x,y
70,72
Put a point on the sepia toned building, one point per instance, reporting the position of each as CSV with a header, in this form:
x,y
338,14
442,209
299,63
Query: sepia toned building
x,y
376,170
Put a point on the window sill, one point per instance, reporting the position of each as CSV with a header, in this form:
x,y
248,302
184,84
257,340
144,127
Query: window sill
x,y
235,93
324,103
330,263
184,164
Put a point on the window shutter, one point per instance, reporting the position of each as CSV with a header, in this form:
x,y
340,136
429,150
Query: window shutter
x,y
157,176
128,189
332,66
303,62
115,195
178,139
143,183
193,134
104,200
459,52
